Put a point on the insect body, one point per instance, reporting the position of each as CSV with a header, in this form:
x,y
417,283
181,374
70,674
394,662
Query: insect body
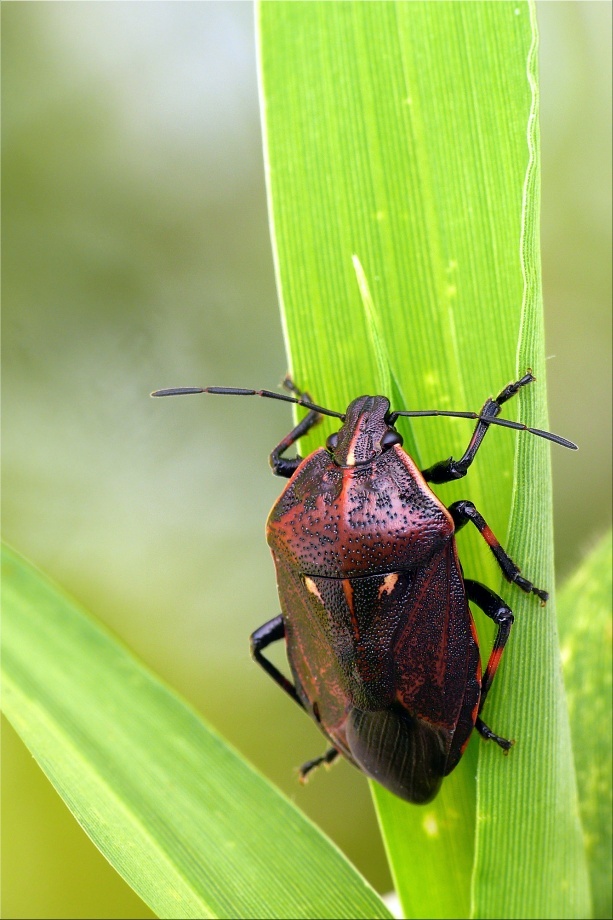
x,y
374,606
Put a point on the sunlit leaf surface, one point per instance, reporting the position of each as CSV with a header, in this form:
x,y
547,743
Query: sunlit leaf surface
x,y
405,134
584,618
184,819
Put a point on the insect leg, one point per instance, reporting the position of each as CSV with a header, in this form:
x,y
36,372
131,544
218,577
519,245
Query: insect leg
x,y
449,470
464,511
281,466
327,758
260,639
495,608
489,735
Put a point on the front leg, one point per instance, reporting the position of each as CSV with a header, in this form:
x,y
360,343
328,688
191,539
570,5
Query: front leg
x,y
450,470
282,466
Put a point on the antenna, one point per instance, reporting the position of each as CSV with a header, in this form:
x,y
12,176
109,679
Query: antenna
x,y
505,423
269,394
235,391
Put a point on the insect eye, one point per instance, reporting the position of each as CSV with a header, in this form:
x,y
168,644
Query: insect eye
x,y
390,437
332,442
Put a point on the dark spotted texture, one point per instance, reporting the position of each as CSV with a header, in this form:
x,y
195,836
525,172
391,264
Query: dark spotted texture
x,y
379,635
359,440
343,521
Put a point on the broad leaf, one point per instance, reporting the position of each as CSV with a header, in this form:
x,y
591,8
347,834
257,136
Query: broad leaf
x,y
402,138
184,819
584,618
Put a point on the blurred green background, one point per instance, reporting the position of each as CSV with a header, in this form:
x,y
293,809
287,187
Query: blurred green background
x,y
137,255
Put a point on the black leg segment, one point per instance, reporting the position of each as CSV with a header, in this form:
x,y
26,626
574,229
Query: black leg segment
x,y
489,735
448,470
465,511
282,466
327,758
496,609
260,639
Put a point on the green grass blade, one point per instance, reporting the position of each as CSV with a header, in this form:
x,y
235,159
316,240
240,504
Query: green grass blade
x,y
188,823
398,133
584,617
529,857
387,381
375,329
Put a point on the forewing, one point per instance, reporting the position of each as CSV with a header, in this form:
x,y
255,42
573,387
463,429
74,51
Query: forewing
x,y
312,659
436,655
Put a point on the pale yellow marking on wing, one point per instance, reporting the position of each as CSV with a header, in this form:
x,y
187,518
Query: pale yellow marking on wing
x,y
389,582
312,587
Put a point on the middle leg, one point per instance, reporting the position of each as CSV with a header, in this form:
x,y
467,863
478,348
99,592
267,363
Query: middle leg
x,y
465,511
268,633
259,640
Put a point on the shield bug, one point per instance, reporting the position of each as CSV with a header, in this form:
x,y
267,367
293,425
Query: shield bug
x,y
375,613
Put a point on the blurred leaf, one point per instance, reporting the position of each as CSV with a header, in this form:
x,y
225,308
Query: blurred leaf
x,y
183,818
405,134
584,618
